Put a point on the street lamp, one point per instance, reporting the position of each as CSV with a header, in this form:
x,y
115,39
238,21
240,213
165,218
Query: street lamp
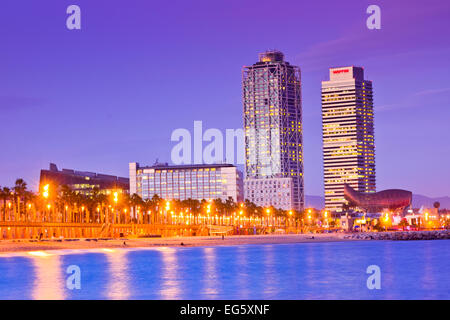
x,y
268,215
46,188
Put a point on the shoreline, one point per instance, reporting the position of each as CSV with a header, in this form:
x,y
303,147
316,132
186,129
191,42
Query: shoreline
x,y
23,246
27,246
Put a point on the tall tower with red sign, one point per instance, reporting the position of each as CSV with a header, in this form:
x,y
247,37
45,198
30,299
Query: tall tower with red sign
x,y
348,135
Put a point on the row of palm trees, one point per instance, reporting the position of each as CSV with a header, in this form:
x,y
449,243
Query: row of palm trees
x,y
15,198
65,205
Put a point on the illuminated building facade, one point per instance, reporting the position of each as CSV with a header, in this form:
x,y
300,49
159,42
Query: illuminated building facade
x,y
215,181
273,132
83,182
348,135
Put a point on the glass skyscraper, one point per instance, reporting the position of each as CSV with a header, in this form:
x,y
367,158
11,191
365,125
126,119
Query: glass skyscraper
x,y
273,132
348,135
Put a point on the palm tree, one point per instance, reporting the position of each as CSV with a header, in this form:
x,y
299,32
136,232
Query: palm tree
x,y
252,209
147,206
152,205
66,197
28,198
229,205
102,200
136,201
5,194
219,206
193,205
19,191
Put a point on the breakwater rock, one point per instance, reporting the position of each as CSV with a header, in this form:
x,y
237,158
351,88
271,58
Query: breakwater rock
x,y
401,235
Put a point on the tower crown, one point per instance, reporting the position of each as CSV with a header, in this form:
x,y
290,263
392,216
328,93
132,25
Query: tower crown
x,y
271,56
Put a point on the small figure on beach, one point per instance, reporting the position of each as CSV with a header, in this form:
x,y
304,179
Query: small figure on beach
x,y
182,244
124,243
223,237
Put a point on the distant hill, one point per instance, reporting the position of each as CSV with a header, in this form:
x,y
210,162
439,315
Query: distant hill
x,y
419,200
318,202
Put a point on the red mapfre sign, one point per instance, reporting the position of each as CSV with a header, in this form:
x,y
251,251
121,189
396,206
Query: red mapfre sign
x,y
341,71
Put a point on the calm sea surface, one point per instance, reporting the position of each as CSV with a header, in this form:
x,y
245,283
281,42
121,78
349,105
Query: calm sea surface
x,y
334,270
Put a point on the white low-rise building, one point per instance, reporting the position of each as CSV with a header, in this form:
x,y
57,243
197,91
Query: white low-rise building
x,y
202,181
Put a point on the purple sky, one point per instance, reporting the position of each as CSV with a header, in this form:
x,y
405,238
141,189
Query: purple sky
x,y
113,92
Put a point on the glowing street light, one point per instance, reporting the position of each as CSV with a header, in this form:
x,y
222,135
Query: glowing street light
x,y
46,188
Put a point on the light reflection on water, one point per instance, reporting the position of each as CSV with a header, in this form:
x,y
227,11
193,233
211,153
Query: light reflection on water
x,y
271,275
170,289
242,276
49,280
410,270
211,283
118,286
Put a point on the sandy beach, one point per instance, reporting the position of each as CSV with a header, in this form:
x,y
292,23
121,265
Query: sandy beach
x,y
8,246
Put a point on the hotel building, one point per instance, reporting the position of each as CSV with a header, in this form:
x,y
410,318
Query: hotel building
x,y
214,181
83,182
273,132
348,135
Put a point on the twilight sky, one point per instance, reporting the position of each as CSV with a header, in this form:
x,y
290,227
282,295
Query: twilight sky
x,y
97,98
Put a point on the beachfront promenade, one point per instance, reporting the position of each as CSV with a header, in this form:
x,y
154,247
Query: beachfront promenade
x,y
66,214
46,230
36,230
